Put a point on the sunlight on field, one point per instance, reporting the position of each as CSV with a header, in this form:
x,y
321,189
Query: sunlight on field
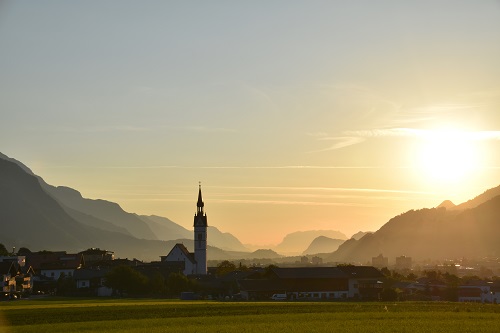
x,y
304,322
3,324
211,317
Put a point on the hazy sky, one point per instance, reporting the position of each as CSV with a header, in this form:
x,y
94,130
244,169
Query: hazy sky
x,y
294,115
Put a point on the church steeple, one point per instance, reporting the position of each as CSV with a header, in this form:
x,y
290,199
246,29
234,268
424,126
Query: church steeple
x,y
200,204
200,236
200,218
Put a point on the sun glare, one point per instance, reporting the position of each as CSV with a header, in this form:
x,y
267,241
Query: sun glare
x,y
448,156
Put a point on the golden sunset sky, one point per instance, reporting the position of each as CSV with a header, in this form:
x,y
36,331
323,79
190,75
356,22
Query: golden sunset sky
x,y
294,115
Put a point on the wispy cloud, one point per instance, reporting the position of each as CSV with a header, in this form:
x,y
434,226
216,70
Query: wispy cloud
x,y
426,133
260,202
293,203
113,128
350,138
221,167
323,189
340,142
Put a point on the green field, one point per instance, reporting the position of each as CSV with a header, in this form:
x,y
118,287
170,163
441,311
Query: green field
x,y
60,315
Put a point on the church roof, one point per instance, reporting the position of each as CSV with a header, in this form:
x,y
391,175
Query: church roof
x,y
184,251
362,272
309,273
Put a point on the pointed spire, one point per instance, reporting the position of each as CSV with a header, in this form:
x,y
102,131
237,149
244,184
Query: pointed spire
x,y
200,203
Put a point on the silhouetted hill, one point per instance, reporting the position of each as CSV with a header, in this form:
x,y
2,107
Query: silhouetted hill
x,y
101,214
101,209
165,229
323,244
21,165
224,240
110,216
480,199
263,254
30,217
435,233
296,242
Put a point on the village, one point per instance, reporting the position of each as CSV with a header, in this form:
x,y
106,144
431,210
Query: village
x,y
181,274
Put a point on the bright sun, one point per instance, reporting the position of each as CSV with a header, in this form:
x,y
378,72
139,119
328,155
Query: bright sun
x,y
448,156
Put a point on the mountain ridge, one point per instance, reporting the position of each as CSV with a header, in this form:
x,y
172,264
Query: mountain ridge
x,y
323,244
38,221
447,234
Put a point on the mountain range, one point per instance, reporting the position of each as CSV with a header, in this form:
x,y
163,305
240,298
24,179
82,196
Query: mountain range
x,y
40,216
295,243
66,220
467,230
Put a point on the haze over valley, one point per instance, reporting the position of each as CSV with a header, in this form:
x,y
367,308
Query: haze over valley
x,y
43,217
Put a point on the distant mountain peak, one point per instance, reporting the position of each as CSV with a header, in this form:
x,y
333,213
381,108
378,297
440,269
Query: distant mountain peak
x,y
323,244
447,204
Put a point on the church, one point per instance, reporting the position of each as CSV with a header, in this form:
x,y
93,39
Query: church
x,y
194,263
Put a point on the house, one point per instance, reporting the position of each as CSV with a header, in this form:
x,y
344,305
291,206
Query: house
x,y
24,278
479,291
8,272
35,259
431,289
95,255
365,282
65,265
21,260
24,281
316,283
90,282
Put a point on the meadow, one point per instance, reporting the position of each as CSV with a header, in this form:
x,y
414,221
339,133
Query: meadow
x,y
111,315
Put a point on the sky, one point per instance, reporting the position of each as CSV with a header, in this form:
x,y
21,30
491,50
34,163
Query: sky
x,y
293,115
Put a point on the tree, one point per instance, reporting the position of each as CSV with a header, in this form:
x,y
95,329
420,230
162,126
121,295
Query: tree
x,y
3,250
156,284
268,271
23,251
411,277
386,272
65,285
225,267
177,283
125,279
389,294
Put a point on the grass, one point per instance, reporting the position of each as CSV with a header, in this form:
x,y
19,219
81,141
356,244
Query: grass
x,y
61,315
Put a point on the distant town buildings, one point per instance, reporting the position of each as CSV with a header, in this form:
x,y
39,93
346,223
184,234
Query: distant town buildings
x,y
403,263
380,261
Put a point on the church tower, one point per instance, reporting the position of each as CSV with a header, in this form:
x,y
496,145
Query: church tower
x,y
200,236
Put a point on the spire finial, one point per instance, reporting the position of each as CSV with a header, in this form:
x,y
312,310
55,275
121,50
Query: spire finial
x,y
200,203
